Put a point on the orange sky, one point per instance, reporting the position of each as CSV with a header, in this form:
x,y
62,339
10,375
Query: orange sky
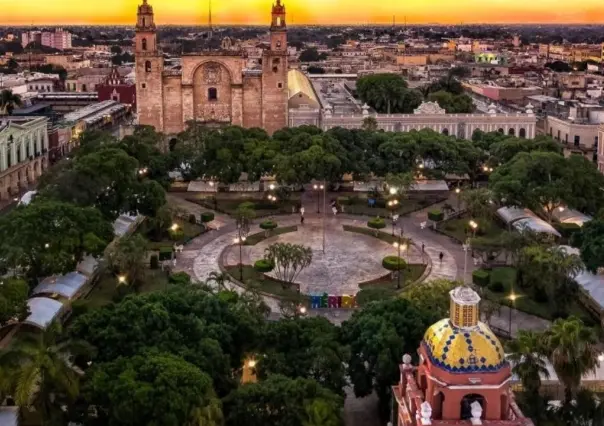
x,y
19,12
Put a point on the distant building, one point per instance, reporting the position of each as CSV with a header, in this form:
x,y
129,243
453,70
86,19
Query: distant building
x,y
59,39
601,148
23,153
462,377
116,88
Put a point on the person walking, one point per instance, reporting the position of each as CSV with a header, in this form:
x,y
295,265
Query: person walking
x,y
302,215
423,248
440,256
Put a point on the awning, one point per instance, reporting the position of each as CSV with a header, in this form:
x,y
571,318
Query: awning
x,y
65,285
43,310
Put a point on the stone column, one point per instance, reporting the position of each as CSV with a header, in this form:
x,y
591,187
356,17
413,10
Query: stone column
x,y
188,109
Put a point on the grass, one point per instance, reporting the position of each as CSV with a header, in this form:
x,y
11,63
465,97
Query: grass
x,y
412,273
261,282
254,239
381,235
190,231
263,207
456,228
524,302
106,290
358,205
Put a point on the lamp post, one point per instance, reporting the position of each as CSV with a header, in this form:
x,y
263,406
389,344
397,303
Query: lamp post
x,y
474,226
457,192
392,205
317,188
466,248
241,236
512,298
399,244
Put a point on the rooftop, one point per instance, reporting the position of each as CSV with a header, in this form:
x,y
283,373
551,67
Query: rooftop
x,y
93,112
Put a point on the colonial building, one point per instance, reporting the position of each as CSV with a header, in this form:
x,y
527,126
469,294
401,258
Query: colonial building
x,y
116,88
23,153
213,87
462,378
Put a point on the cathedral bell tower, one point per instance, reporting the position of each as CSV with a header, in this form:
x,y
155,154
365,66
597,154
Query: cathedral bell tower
x,y
149,65
274,73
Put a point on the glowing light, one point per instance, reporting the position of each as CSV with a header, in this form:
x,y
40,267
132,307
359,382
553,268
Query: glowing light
x,y
243,238
513,297
315,186
46,245
601,358
121,279
271,186
211,183
236,240
392,191
251,363
473,224
457,190
174,227
302,310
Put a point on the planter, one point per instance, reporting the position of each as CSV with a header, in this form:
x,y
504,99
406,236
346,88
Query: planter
x,y
377,224
268,226
263,265
207,217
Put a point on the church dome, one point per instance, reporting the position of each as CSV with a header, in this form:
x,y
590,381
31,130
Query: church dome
x,y
461,343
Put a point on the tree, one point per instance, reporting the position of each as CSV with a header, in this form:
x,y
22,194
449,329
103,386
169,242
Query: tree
x,y
590,240
527,355
370,124
289,260
386,93
8,102
311,55
13,300
537,180
572,351
478,202
281,401
305,348
48,237
453,104
42,376
378,336
432,296
128,258
152,389
244,215
506,148
150,196
401,183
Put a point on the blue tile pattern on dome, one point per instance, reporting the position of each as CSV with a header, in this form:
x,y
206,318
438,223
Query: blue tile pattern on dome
x,y
458,350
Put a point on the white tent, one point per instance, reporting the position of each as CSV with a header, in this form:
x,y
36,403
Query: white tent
x,y
43,310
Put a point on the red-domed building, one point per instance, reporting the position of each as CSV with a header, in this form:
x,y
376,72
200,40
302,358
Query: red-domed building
x,y
462,376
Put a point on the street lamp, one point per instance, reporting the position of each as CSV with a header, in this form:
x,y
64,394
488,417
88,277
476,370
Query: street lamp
x,y
302,310
512,298
399,245
317,188
466,247
392,190
272,186
240,239
474,226
392,205
121,279
174,227
457,192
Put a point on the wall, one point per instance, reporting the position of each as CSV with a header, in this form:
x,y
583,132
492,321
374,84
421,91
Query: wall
x,y
565,132
274,91
173,122
252,96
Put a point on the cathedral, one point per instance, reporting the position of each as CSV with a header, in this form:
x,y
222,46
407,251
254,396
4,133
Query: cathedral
x,y
214,87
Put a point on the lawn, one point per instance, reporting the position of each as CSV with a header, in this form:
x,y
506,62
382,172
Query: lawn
x,y
412,273
262,207
524,302
357,205
254,239
261,282
381,235
105,289
456,228
190,231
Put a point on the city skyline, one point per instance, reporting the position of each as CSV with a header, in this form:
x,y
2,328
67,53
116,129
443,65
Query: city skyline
x,y
320,12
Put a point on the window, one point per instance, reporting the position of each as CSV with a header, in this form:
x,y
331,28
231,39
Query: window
x,y
212,94
278,44
144,86
500,130
278,21
522,132
596,142
144,44
280,85
144,23
558,137
147,66
276,61
83,88
577,140
511,132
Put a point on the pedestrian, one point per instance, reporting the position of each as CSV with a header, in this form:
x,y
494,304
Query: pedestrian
x,y
423,248
440,256
301,220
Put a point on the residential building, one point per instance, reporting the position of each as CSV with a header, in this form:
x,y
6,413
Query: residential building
x,y
23,153
59,39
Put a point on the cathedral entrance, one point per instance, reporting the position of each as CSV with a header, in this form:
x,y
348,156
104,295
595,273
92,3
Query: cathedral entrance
x,y
212,93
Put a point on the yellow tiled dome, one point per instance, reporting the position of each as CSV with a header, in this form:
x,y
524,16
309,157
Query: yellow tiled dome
x,y
461,350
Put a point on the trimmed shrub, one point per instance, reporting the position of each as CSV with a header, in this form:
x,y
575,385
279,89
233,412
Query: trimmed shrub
x,y
394,263
247,205
192,219
376,223
207,217
436,215
496,286
567,230
154,262
165,253
481,277
179,278
263,265
177,235
268,225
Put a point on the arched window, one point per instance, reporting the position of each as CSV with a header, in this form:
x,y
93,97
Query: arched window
x,y
147,66
446,131
511,131
144,44
212,94
466,405
144,23
500,130
522,132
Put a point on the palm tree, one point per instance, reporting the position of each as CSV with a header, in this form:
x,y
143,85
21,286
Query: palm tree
x,y
528,357
219,279
477,202
44,377
8,102
571,347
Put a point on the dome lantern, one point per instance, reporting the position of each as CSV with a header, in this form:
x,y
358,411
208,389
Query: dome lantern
x,y
464,307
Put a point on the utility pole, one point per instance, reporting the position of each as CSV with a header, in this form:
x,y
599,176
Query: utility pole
x,y
210,19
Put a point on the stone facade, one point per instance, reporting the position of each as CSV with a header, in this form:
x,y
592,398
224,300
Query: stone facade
x,y
214,87
23,153
425,117
578,138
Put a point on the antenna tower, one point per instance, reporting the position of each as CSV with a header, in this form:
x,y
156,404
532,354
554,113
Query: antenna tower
x,y
210,19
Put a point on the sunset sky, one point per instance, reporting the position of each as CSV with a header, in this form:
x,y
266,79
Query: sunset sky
x,y
303,11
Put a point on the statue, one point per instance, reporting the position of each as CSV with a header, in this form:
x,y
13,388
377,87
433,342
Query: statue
x,y
476,410
426,413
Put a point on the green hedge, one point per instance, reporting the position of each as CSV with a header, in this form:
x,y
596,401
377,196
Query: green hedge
x,y
436,215
165,253
177,235
263,265
343,201
481,277
207,217
394,263
376,223
268,224
567,229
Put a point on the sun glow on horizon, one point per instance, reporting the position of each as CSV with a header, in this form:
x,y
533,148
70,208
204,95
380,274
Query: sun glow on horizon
x,y
323,12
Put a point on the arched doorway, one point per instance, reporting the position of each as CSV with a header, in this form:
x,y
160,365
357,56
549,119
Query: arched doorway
x,y
466,405
500,130
172,144
522,132
437,406
446,131
511,131
212,93
504,406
